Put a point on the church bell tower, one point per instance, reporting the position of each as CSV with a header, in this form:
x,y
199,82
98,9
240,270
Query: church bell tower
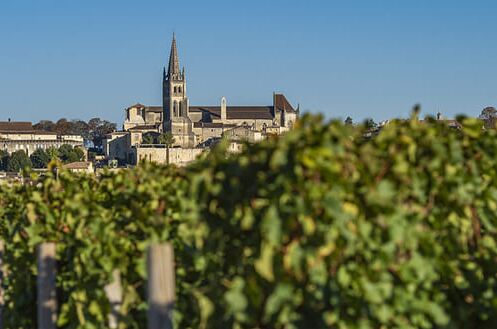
x,y
175,102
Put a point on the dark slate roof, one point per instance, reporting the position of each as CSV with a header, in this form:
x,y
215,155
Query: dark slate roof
x,y
237,112
16,126
212,125
153,109
144,127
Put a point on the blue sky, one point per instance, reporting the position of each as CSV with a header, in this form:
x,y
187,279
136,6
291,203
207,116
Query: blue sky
x,y
82,59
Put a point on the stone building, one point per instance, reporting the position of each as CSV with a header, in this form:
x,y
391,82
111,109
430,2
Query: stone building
x,y
17,135
159,154
194,126
84,167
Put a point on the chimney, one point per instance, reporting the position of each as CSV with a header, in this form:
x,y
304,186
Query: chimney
x,y
223,109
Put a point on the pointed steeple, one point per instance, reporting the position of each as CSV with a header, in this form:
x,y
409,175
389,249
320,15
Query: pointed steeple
x,y
173,71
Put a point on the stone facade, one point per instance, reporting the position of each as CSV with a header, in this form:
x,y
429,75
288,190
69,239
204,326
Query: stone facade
x,y
195,127
117,146
83,167
21,136
158,154
139,116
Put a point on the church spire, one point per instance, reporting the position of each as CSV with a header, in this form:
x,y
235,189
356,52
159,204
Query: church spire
x,y
173,71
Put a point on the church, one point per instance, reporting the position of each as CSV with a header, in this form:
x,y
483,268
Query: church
x,y
192,126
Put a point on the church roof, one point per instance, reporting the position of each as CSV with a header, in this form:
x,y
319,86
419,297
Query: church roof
x,y
201,124
237,112
281,103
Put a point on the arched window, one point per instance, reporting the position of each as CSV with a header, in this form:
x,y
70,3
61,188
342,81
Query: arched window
x,y
181,109
175,90
179,89
175,108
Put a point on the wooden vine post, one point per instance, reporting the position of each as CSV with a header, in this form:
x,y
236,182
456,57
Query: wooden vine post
x,y
47,299
114,293
161,285
2,301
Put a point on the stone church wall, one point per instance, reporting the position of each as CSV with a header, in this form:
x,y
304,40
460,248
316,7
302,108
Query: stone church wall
x,y
177,156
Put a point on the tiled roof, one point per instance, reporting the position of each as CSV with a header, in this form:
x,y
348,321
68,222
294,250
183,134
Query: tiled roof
x,y
137,105
16,126
281,103
31,132
78,165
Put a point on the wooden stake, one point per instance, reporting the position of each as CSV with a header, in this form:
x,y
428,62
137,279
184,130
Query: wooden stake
x,y
47,299
2,301
114,293
161,296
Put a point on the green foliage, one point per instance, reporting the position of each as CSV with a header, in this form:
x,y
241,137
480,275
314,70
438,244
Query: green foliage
x,y
4,159
94,130
40,158
370,124
321,228
148,139
53,153
489,117
166,139
68,154
18,161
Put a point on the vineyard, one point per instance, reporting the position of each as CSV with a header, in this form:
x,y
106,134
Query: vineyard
x,y
320,228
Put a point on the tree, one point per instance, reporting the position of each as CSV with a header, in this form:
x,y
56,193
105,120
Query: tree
x,y
45,125
79,127
63,127
98,129
95,130
69,154
370,124
4,159
18,160
79,154
53,153
40,158
148,139
348,121
168,140
489,117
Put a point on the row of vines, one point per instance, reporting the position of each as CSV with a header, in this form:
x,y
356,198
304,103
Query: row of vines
x,y
321,228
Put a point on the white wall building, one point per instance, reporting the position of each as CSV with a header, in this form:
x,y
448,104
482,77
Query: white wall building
x,y
21,136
